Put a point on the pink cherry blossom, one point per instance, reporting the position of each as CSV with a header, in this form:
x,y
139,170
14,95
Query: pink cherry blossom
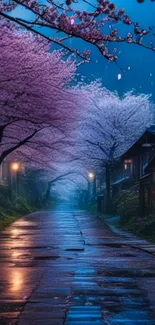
x,y
89,26
72,21
36,103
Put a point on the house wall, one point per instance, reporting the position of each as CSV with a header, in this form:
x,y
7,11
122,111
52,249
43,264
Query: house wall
x,y
129,170
126,173
133,166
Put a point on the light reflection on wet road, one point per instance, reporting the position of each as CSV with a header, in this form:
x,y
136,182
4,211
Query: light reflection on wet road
x,y
69,268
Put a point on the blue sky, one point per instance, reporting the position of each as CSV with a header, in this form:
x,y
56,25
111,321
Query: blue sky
x,y
141,62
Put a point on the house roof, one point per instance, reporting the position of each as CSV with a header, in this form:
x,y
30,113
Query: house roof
x,y
150,132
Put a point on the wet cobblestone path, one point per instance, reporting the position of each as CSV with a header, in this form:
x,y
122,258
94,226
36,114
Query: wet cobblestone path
x,y
70,269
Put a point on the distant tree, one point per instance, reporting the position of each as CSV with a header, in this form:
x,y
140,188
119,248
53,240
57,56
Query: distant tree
x,y
36,105
98,26
38,183
110,126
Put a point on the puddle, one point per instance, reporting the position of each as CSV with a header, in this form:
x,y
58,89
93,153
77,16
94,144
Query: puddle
x,y
46,257
127,255
116,245
74,249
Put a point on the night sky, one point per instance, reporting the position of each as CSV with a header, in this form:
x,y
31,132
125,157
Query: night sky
x,y
138,62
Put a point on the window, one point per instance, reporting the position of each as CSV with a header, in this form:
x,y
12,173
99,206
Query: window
x,y
128,165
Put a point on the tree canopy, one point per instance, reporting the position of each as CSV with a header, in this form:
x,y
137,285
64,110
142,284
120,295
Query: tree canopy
x,y
99,26
36,104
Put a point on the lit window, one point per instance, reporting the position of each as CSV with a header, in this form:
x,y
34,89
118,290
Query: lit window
x,y
128,161
125,166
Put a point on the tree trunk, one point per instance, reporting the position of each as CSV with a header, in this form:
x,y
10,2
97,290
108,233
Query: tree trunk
x,y
47,194
94,187
108,196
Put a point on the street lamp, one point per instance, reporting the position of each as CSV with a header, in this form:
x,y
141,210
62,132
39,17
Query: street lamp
x,y
91,176
15,166
91,185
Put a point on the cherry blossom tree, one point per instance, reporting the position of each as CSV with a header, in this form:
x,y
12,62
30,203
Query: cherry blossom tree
x,y
65,175
65,181
37,184
107,127
110,126
97,26
36,105
113,118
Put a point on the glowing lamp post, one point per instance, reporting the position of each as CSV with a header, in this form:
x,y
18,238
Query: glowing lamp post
x,y
15,166
91,176
91,185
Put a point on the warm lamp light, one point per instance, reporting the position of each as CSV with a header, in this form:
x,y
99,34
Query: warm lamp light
x,y
15,166
91,175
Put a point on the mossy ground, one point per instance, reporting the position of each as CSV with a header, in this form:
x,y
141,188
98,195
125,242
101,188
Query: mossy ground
x,y
143,228
7,219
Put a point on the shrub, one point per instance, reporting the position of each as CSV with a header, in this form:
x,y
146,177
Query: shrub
x,y
22,206
127,204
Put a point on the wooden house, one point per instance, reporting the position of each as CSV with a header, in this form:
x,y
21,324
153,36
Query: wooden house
x,y
132,166
147,190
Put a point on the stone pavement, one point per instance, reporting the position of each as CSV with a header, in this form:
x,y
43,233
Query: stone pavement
x,y
69,268
142,244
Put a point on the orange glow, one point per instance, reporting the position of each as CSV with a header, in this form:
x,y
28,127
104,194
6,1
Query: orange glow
x,y
17,279
15,231
15,166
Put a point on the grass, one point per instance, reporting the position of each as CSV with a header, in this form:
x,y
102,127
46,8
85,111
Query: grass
x,y
6,220
12,211
144,229
8,216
